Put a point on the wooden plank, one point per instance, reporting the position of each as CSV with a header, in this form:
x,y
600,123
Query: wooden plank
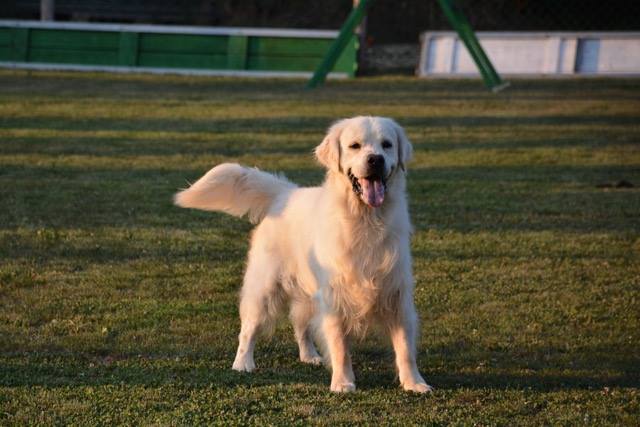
x,y
282,63
175,60
65,56
272,46
161,70
237,53
183,43
5,44
19,48
5,36
345,63
128,49
170,50
71,39
174,29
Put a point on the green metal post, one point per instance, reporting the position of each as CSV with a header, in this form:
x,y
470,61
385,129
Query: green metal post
x,y
334,52
463,28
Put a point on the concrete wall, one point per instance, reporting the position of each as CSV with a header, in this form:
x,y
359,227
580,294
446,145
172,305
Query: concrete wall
x,y
443,54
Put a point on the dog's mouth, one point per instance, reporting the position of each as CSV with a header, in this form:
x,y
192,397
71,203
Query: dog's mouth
x,y
371,189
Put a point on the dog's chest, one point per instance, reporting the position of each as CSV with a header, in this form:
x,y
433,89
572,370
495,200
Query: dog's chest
x,y
365,285
367,264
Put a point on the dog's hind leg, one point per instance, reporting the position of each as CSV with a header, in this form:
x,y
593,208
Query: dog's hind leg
x,y
259,301
301,314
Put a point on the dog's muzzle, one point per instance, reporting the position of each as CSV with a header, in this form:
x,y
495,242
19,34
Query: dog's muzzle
x,y
372,188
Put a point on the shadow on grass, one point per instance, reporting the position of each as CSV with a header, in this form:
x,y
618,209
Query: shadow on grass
x,y
402,89
541,368
461,198
499,381
533,381
85,370
526,198
111,147
297,124
238,145
512,145
274,125
51,371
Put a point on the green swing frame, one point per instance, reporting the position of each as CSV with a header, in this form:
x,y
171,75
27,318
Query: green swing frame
x,y
455,16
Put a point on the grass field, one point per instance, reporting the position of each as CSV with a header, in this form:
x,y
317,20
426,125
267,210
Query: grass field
x,y
118,308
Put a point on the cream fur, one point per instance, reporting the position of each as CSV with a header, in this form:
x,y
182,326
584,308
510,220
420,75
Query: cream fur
x,y
340,263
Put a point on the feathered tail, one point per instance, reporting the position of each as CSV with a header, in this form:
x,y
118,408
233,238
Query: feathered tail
x,y
236,190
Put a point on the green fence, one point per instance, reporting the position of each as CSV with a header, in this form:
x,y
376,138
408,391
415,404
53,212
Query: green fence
x,y
197,50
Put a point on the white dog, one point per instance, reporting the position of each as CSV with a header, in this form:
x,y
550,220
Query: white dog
x,y
339,253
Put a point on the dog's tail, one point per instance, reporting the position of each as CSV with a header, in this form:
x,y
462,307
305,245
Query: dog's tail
x,y
236,190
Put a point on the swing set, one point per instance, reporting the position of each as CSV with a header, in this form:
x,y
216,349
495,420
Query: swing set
x,y
455,16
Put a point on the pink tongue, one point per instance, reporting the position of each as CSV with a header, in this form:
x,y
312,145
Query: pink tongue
x,y
372,192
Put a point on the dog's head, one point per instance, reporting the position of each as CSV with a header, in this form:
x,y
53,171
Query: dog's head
x,y
369,151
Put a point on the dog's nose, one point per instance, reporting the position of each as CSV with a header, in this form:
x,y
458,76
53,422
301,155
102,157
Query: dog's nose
x,y
375,161
375,165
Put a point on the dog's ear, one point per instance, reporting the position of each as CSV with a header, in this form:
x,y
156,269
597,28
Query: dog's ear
x,y
328,152
405,149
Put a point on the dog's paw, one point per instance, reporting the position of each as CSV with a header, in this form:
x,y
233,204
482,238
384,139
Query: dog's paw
x,y
417,387
343,387
312,360
243,365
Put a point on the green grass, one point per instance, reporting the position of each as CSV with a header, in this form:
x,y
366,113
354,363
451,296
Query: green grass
x,y
118,308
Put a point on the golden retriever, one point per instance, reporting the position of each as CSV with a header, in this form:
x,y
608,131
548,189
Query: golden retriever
x,y
338,254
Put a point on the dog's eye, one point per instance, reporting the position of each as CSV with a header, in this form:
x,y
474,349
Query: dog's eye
x,y
354,146
386,144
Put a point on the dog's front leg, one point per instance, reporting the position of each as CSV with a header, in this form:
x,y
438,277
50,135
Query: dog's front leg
x,y
342,378
403,332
